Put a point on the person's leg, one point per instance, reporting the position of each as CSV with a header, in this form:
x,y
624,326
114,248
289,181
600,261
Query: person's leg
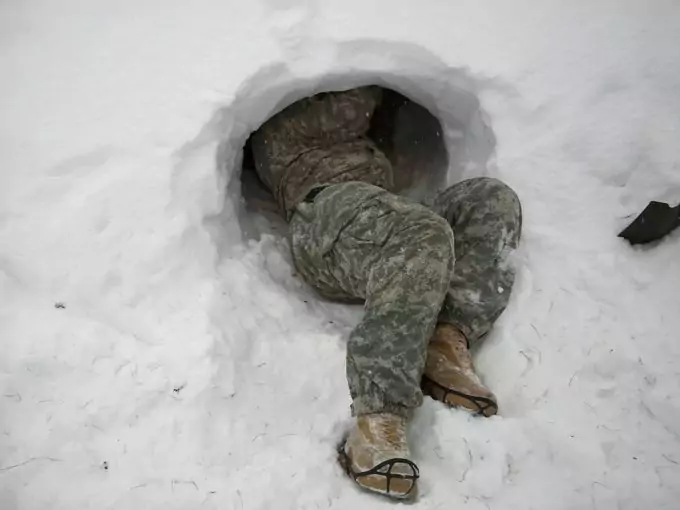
x,y
486,218
485,215
357,240
406,283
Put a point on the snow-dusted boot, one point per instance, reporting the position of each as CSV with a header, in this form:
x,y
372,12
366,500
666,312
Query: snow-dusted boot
x,y
377,457
450,374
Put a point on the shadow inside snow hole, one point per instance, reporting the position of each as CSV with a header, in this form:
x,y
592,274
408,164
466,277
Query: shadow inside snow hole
x,y
409,135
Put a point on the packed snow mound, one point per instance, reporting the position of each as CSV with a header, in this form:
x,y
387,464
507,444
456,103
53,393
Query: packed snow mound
x,y
157,356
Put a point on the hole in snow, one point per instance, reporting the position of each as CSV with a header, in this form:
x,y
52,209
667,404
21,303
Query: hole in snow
x,y
216,194
410,136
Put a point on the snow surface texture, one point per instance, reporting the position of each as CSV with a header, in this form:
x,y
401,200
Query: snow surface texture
x,y
155,356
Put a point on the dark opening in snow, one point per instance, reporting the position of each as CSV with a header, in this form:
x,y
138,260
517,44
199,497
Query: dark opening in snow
x,y
411,137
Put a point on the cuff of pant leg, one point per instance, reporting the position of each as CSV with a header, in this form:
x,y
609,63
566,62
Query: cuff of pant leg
x,y
372,405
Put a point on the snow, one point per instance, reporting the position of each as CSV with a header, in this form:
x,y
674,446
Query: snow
x,y
189,368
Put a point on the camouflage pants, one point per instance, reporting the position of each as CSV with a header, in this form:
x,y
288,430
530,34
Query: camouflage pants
x,y
355,240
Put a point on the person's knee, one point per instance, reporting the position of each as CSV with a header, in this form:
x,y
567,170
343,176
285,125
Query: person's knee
x,y
491,186
498,195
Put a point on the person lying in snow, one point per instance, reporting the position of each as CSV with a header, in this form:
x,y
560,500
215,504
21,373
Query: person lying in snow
x,y
434,277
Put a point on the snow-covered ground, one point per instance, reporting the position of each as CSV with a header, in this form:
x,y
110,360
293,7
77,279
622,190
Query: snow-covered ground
x,y
156,356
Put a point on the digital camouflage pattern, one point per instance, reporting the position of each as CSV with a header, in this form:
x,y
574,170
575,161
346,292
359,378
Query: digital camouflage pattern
x,y
320,140
486,217
357,241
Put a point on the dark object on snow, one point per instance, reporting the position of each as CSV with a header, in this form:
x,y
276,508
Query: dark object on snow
x,y
657,220
59,305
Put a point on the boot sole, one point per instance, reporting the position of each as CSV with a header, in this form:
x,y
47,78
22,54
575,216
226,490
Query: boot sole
x,y
381,480
478,405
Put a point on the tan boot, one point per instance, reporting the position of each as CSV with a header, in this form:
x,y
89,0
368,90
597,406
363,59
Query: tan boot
x,y
450,374
376,455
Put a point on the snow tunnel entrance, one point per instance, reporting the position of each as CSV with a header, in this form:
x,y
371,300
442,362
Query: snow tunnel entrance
x,y
439,135
410,136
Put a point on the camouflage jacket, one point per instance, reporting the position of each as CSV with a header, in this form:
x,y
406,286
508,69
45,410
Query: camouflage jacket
x,y
320,140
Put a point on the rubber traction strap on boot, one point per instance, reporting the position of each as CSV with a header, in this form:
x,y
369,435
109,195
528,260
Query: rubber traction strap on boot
x,y
345,461
476,400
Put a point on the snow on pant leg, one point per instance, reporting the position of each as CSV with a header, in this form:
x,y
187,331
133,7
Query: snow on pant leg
x,y
486,218
358,241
